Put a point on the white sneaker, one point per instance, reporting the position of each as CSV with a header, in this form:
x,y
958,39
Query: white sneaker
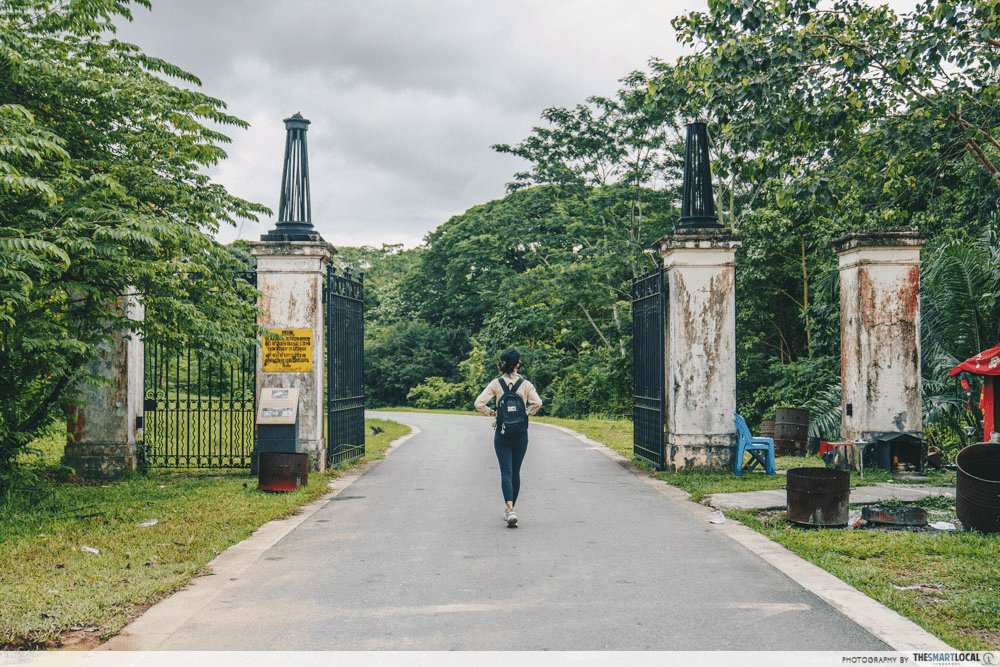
x,y
510,518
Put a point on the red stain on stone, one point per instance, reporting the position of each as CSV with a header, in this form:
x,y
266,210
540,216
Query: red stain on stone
x,y
909,293
76,424
868,298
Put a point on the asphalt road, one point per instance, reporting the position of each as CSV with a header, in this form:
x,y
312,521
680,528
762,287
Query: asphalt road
x,y
414,555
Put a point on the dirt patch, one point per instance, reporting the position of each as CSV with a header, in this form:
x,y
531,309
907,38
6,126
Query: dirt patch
x,y
81,640
990,638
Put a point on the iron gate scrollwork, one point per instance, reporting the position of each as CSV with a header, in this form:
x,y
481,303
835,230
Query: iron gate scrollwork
x,y
344,296
649,397
198,411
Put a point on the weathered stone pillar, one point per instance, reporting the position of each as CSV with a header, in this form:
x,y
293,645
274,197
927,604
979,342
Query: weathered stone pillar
x,y
700,355
880,332
290,277
103,425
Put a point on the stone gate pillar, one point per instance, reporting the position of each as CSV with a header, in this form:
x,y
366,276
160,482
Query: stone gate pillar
x,y
700,340
291,272
105,424
880,332
290,277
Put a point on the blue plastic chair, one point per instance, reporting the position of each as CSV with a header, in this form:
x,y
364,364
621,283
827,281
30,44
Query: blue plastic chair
x,y
755,446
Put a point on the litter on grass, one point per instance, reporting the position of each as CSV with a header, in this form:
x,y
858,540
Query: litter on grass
x,y
920,587
717,517
942,525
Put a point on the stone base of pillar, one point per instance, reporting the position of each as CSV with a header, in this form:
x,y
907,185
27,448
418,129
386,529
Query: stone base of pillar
x,y
316,449
102,461
700,452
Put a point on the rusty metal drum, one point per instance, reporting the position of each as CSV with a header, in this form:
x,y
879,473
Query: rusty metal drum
x,y
283,471
767,428
791,431
977,487
818,496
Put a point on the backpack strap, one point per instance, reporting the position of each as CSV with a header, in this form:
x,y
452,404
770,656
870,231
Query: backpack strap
x,y
513,387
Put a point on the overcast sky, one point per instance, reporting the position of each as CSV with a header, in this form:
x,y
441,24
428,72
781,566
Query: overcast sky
x,y
405,96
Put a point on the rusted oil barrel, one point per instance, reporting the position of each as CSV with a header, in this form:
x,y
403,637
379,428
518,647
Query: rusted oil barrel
x,y
283,471
767,428
977,487
791,431
818,496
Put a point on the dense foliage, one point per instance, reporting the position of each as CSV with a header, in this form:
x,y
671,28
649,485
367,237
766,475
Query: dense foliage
x,y
102,199
824,119
531,270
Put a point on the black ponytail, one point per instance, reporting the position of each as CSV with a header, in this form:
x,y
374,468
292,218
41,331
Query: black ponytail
x,y
509,361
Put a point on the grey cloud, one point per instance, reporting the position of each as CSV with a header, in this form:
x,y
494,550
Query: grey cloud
x,y
405,97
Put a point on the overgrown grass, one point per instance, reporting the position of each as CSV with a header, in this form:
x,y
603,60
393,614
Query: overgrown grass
x,y
615,433
52,587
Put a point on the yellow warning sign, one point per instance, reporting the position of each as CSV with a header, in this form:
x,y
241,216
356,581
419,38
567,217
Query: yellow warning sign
x,y
291,353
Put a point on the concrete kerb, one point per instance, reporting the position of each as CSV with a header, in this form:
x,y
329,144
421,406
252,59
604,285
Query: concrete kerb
x,y
151,629
895,630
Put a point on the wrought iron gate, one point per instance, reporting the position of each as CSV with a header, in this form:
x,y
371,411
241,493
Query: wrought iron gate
x,y
199,413
649,398
344,297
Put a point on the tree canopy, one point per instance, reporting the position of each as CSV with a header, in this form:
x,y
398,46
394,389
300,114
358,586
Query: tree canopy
x,y
824,118
103,195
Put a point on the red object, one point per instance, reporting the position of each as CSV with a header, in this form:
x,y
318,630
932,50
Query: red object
x,y
986,363
825,447
283,471
989,407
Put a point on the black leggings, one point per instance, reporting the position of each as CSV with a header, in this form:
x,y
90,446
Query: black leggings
x,y
510,454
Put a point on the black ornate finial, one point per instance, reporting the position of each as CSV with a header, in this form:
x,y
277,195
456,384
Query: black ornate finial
x,y
697,204
294,209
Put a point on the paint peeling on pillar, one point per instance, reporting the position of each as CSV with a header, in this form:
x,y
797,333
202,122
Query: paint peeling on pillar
x,y
700,349
909,293
880,324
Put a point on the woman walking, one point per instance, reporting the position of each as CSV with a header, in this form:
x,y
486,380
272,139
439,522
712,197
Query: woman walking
x,y
510,440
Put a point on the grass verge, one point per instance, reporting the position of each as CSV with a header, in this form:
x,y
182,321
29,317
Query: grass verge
x,y
79,560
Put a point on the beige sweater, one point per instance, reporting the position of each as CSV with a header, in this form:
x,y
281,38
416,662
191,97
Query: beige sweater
x,y
493,390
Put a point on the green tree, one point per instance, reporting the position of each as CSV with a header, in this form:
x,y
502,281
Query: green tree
x,y
618,156
828,117
810,85
960,312
103,196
